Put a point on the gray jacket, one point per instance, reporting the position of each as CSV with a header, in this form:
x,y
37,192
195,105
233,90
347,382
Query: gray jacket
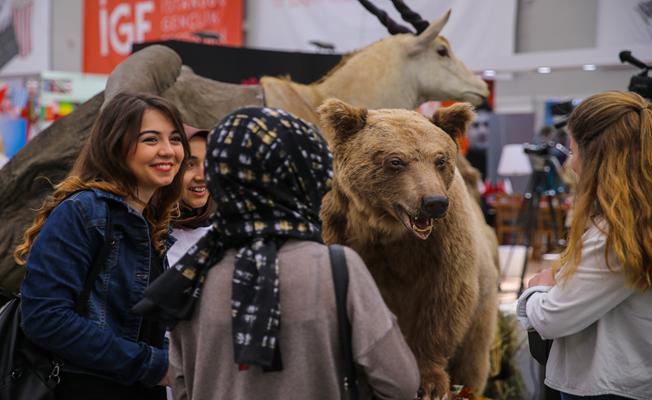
x,y
202,350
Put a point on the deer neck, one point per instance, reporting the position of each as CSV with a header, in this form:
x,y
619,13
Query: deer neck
x,y
309,93
373,78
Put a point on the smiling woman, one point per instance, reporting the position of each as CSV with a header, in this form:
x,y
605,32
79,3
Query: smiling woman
x,y
157,156
196,205
121,193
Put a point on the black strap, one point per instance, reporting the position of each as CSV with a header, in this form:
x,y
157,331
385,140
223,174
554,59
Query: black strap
x,y
341,284
98,263
539,347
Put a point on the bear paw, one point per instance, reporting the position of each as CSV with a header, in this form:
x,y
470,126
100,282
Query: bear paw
x,y
436,384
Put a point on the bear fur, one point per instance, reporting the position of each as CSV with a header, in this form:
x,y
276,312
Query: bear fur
x,y
399,200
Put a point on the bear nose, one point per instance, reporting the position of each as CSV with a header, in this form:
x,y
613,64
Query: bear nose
x,y
434,206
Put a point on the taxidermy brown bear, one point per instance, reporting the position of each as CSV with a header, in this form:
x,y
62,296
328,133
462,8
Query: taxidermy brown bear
x,y
400,202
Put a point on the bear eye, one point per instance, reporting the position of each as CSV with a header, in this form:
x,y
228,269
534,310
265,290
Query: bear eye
x,y
442,51
441,162
395,163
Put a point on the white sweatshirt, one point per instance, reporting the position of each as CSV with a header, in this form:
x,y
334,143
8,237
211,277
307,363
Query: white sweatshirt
x,y
185,239
602,328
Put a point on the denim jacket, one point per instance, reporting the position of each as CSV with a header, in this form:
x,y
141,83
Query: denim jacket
x,y
105,341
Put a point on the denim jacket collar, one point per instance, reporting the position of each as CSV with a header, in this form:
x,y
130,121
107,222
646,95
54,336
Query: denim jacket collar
x,y
169,240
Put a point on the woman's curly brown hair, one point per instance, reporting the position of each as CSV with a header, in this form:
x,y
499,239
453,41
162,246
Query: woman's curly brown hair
x,y
613,132
102,164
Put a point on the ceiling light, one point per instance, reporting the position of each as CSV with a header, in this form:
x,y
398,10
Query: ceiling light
x,y
489,73
589,67
544,70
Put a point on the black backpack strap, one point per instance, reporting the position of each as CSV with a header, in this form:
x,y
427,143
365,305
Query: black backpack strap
x,y
341,284
98,264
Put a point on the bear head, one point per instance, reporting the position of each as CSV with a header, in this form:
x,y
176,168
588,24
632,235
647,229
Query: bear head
x,y
394,167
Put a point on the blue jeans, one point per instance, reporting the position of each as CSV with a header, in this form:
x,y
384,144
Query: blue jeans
x,y
566,396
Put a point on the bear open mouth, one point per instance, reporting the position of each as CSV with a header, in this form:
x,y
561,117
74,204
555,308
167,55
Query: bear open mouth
x,y
419,225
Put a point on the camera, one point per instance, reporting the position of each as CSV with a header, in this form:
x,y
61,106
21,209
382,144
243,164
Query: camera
x,y
541,150
556,150
546,160
640,83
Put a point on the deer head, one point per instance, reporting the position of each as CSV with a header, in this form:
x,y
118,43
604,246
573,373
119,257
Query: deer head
x,y
429,59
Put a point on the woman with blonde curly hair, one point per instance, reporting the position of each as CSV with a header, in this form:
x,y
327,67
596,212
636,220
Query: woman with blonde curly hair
x,y
595,303
129,173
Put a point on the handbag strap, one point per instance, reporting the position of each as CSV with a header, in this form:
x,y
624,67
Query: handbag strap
x,y
98,263
539,347
341,284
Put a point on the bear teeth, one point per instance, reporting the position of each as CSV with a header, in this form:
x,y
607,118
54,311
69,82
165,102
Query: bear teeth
x,y
422,227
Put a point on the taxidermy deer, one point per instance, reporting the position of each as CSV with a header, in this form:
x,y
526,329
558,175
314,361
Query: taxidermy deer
x,y
400,71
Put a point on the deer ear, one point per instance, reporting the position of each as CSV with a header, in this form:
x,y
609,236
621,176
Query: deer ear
x,y
341,120
455,119
426,37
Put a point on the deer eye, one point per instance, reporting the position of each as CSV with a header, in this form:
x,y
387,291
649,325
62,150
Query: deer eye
x,y
442,51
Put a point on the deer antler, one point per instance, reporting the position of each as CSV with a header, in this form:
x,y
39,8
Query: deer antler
x,y
411,16
392,26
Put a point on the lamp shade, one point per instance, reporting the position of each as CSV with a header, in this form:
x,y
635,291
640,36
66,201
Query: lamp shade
x,y
513,161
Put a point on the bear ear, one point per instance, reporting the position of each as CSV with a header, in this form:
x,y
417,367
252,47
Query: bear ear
x,y
455,119
342,120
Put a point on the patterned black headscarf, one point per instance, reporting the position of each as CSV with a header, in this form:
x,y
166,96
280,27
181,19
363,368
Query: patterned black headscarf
x,y
267,171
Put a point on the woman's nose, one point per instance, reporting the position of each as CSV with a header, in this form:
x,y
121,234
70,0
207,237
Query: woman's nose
x,y
200,172
165,148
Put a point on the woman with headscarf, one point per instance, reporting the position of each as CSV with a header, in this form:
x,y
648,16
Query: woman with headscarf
x,y
265,325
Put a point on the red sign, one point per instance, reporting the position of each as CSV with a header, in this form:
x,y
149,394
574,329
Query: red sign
x,y
112,26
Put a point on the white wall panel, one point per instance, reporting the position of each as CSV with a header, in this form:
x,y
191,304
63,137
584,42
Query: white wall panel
x,y
482,32
479,31
624,22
